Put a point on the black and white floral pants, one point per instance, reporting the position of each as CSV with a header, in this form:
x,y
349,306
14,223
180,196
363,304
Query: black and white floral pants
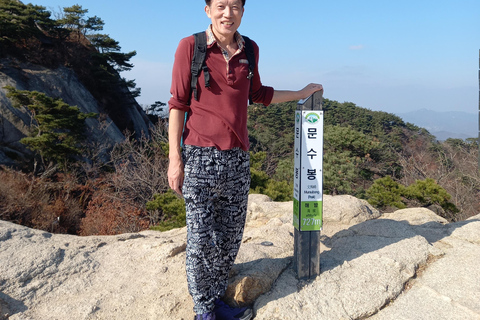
x,y
215,189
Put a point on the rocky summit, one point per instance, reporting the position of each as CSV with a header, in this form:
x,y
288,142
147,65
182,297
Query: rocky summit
x,y
409,264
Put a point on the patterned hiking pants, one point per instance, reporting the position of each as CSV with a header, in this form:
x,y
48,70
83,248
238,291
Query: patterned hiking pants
x,y
215,189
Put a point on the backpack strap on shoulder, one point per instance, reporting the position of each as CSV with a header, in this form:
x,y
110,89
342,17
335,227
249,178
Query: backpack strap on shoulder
x,y
199,65
251,61
198,62
250,56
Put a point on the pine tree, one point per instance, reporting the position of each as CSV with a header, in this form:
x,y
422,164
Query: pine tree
x,y
427,192
19,21
385,192
57,129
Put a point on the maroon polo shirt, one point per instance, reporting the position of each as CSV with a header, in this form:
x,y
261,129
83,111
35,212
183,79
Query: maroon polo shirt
x,y
219,117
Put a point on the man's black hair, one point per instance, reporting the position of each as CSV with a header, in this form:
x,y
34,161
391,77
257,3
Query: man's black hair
x,y
210,1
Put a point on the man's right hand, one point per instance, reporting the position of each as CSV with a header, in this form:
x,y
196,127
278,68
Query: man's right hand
x,y
175,175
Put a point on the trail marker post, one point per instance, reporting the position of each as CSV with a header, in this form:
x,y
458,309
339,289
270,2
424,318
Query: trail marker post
x,y
308,186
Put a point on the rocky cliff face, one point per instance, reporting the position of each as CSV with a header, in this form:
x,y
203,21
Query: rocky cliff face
x,y
61,83
410,264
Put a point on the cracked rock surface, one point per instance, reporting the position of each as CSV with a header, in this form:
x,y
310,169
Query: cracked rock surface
x,y
410,264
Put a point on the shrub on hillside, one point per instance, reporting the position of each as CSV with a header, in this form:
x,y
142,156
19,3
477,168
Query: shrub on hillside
x,y
141,165
263,184
385,192
169,211
109,215
279,190
428,193
51,204
349,159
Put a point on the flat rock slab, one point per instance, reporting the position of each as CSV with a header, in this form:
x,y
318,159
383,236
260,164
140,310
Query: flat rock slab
x,y
365,268
449,289
130,276
410,264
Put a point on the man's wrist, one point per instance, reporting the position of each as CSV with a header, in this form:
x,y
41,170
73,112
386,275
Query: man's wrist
x,y
174,158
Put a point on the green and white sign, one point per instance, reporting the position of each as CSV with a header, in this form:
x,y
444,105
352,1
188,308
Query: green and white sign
x,y
308,174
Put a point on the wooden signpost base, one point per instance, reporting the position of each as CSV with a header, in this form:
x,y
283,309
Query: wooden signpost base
x,y
306,254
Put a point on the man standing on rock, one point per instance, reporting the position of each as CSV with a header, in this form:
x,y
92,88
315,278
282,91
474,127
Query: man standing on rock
x,y
212,172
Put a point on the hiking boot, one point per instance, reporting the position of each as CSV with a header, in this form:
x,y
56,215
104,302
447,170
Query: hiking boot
x,y
205,316
224,312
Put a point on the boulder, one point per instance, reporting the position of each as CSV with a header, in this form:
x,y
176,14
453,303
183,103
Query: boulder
x,y
347,209
61,83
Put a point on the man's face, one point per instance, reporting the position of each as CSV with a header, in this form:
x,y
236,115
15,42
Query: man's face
x,y
226,16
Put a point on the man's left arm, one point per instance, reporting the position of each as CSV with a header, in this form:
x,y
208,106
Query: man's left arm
x,y
288,95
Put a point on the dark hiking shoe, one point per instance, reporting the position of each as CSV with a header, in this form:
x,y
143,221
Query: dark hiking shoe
x,y
224,312
205,316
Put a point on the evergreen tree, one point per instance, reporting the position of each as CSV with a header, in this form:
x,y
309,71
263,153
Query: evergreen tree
x,y
385,192
74,18
19,21
93,24
427,192
347,158
103,43
58,128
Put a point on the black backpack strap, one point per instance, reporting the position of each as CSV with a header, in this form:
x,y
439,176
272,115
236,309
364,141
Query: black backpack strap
x,y
250,56
198,62
251,61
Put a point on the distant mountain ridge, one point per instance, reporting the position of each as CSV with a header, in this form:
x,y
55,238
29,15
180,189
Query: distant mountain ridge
x,y
444,125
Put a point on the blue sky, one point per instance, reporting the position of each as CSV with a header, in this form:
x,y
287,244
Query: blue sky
x,y
393,56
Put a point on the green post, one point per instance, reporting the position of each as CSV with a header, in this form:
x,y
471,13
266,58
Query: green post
x,y
308,186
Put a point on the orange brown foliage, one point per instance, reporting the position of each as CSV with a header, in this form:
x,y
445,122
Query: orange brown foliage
x,y
40,203
107,215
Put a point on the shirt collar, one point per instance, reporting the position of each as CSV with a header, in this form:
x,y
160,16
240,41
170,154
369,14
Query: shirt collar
x,y
211,38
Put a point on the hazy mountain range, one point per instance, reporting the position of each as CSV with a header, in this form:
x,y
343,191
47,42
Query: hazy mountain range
x,y
444,125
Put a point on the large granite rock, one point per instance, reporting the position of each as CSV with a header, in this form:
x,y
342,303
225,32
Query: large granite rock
x,y
57,83
410,264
